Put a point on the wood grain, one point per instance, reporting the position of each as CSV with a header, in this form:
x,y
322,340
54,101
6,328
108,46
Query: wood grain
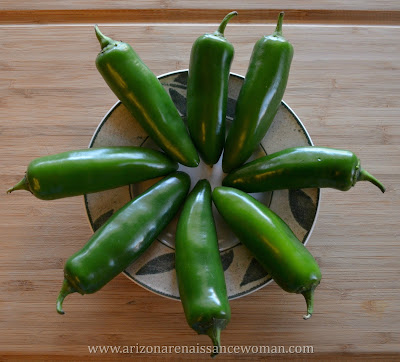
x,y
199,15
199,4
344,85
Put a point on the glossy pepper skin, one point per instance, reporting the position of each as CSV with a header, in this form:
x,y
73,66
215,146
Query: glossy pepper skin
x,y
271,242
143,95
207,92
198,266
301,167
124,237
259,98
81,172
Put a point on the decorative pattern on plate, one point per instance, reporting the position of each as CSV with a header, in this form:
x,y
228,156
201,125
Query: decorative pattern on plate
x,y
155,269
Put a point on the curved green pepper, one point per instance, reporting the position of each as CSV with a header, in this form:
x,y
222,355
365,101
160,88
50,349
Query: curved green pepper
x,y
143,95
198,266
259,98
301,167
124,237
207,92
91,170
271,242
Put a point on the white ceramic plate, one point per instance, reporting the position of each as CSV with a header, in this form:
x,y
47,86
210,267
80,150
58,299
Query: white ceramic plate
x,y
155,269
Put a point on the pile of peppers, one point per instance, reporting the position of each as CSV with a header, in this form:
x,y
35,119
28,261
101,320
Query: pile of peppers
x,y
133,228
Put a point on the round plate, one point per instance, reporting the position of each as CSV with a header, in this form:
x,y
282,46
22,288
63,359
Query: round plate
x,y
155,269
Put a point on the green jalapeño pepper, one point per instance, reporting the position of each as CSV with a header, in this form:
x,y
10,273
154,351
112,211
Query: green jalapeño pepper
x,y
91,170
145,98
207,92
124,237
271,242
259,98
301,167
198,266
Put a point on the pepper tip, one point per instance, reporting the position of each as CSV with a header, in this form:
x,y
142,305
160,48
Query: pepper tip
x,y
65,290
225,21
278,30
59,308
215,334
309,297
22,185
103,40
366,176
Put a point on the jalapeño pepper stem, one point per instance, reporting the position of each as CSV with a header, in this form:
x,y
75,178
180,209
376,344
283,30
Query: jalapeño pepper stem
x,y
215,334
278,29
104,40
22,185
228,17
366,176
309,297
65,290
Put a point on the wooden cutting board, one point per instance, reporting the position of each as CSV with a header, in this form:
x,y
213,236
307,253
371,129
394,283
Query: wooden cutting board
x,y
344,85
